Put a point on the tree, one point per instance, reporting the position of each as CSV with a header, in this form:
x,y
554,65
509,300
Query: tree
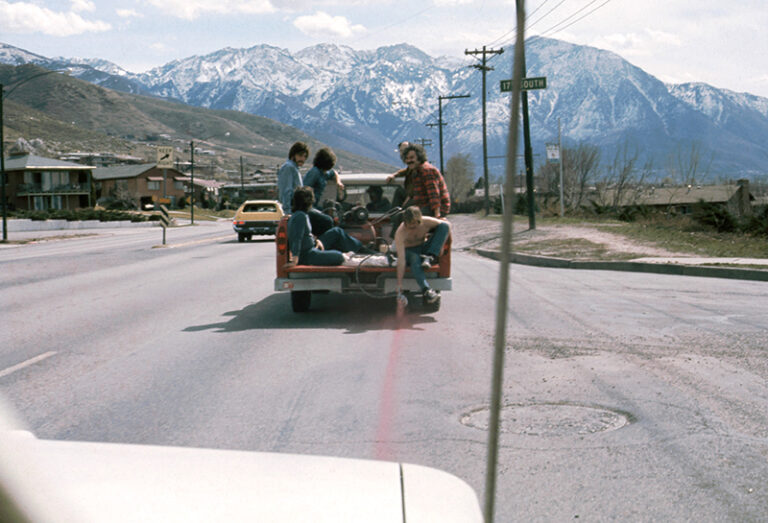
x,y
622,183
685,164
458,175
580,166
122,198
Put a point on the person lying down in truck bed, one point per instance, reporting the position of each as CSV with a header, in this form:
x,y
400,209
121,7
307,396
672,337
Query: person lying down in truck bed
x,y
330,248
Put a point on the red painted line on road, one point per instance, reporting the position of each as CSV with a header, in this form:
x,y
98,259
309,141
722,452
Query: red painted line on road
x,y
383,449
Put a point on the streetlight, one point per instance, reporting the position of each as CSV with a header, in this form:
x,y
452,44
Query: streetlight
x,y
2,145
192,175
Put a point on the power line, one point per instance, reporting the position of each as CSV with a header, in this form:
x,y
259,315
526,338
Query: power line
x,y
542,17
555,28
514,31
577,20
398,22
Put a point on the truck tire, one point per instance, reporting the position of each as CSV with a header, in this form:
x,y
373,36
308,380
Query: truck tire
x,y
300,300
431,307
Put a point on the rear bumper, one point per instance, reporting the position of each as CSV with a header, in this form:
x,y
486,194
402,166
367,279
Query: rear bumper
x,y
261,228
344,283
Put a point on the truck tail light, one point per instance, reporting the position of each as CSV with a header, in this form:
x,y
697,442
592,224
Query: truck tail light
x,y
282,241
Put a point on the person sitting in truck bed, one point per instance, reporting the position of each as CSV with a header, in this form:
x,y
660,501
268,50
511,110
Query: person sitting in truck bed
x,y
322,172
379,202
415,250
327,249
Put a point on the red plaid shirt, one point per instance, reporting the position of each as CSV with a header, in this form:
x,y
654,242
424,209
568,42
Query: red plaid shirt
x,y
430,191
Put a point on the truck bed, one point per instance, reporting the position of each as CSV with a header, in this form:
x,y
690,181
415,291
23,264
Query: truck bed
x,y
352,278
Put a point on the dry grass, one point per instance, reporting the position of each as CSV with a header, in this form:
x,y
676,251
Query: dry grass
x,y
594,238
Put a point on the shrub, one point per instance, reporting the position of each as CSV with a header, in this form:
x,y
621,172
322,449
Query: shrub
x,y
631,213
757,224
597,208
521,205
38,215
714,216
62,214
120,205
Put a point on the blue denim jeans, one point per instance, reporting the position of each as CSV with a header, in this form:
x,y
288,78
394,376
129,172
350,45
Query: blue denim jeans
x,y
335,242
432,246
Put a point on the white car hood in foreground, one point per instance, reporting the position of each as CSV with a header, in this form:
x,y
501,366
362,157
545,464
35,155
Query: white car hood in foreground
x,y
56,481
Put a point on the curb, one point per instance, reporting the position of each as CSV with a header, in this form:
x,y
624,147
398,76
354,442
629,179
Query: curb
x,y
656,268
27,225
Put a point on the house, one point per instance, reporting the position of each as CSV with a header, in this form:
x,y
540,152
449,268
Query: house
x,y
206,190
236,192
145,183
736,198
37,183
100,159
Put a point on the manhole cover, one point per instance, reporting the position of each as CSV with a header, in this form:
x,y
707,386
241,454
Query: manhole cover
x,y
550,419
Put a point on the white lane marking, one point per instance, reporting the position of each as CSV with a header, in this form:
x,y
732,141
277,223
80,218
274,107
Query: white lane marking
x,y
23,364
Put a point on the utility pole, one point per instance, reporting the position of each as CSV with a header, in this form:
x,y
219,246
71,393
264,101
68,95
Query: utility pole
x,y
529,188
192,183
484,68
424,142
560,152
242,182
440,123
2,169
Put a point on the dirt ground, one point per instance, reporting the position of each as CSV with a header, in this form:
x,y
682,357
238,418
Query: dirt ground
x,y
471,231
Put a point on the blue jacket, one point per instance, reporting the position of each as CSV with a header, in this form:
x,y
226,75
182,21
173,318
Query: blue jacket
x,y
288,178
300,238
318,179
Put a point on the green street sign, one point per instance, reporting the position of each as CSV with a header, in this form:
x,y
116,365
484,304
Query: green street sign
x,y
537,82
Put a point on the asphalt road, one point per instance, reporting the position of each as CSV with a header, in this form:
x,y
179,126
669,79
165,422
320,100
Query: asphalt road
x,y
634,397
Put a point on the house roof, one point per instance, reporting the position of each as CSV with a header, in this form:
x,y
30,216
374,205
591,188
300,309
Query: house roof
x,y
211,184
123,171
30,161
116,172
681,195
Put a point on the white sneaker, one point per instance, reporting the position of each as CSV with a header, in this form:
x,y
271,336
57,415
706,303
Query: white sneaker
x,y
430,296
427,261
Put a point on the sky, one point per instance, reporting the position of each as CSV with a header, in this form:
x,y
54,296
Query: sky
x,y
724,44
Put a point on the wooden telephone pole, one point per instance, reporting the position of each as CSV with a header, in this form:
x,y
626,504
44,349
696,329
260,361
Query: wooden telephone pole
x,y
484,68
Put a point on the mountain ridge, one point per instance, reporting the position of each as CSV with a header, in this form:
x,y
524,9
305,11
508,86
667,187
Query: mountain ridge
x,y
65,114
370,100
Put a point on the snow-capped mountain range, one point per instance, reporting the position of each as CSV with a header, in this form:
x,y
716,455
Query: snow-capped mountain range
x,y
368,101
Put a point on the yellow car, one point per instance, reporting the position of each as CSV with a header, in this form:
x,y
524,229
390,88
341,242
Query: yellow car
x,y
257,217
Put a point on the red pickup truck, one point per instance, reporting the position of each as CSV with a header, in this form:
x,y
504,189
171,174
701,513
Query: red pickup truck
x,y
374,275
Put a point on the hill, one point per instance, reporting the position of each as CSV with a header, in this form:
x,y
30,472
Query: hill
x,y
367,101
61,114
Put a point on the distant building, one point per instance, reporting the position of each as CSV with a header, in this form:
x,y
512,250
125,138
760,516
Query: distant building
x,y
37,183
147,183
101,159
206,190
235,192
736,198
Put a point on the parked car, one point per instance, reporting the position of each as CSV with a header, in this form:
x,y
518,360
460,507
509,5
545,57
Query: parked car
x,y
257,217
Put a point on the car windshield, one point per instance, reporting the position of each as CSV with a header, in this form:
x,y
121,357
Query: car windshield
x,y
259,207
376,198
